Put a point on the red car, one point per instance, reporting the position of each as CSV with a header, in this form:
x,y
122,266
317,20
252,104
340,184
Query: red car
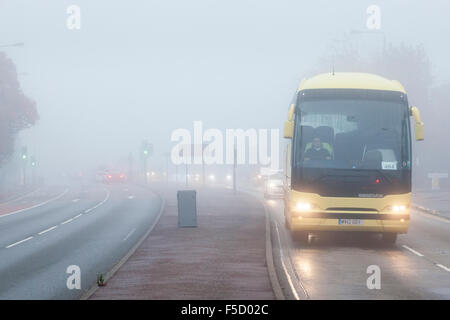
x,y
114,177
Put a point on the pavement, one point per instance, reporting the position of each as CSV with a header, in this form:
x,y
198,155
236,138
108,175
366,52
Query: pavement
x,y
223,258
11,193
91,226
437,202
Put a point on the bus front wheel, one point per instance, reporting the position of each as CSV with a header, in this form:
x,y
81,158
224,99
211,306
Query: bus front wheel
x,y
389,237
300,236
286,221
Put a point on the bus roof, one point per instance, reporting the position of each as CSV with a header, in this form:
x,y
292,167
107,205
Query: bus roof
x,y
350,80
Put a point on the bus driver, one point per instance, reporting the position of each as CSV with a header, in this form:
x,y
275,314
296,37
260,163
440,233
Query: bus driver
x,y
317,151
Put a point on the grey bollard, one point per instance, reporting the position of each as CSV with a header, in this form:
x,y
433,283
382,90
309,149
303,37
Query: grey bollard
x,y
187,208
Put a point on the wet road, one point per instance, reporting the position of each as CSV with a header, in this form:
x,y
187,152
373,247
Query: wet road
x,y
335,266
46,231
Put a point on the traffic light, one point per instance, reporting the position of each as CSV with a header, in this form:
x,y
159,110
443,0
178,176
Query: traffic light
x,y
146,149
33,161
24,153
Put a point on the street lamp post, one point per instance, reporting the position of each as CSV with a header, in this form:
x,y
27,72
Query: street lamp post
x,y
234,169
24,156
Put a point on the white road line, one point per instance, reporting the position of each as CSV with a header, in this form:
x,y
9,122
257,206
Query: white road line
x,y
77,216
67,221
47,230
18,242
35,206
75,200
99,204
129,234
432,216
284,266
130,197
443,267
417,253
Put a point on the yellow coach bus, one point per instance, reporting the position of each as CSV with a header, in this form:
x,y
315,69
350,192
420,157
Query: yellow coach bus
x,y
348,162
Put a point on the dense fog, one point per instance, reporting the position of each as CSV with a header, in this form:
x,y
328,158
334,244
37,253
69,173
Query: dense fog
x,y
95,80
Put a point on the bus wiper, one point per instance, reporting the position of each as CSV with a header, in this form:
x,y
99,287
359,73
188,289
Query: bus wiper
x,y
344,176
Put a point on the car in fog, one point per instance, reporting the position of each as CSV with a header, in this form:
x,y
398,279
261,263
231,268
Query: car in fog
x,y
114,177
273,186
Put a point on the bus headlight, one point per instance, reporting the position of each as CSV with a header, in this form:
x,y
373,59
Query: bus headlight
x,y
397,208
303,206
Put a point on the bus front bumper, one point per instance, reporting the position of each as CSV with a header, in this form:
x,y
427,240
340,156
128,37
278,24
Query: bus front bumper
x,y
399,225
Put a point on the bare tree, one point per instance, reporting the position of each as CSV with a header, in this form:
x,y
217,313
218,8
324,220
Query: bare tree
x,y
17,111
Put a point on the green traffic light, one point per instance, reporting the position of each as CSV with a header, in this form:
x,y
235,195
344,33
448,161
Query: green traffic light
x,y
24,156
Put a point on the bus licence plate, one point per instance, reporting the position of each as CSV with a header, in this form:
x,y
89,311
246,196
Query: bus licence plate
x,y
351,221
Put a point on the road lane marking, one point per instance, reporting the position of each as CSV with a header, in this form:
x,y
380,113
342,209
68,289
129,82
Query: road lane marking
x,y
18,242
443,267
99,204
431,214
75,200
35,206
47,230
417,253
284,266
77,216
129,234
67,221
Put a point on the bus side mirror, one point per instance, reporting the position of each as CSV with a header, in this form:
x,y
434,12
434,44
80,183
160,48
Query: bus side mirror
x,y
289,124
288,129
418,124
291,112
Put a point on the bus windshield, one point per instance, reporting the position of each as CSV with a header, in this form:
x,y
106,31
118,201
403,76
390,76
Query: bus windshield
x,y
351,130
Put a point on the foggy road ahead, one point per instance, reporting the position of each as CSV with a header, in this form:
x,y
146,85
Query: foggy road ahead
x,y
91,226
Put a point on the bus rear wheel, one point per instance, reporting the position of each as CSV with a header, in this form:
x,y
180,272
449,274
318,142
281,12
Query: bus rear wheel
x,y
389,237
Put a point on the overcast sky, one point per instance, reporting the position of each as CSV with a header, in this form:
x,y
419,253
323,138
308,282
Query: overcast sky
x,y
140,69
